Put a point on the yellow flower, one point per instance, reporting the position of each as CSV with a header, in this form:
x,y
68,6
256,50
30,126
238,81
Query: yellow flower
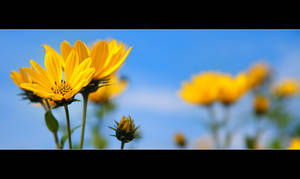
x,y
21,77
208,87
286,88
258,73
295,144
204,142
179,139
231,89
106,57
202,90
260,105
106,93
50,83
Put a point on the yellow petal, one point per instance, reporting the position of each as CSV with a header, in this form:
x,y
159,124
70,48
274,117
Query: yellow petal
x,y
58,57
99,55
38,90
65,49
37,77
53,67
83,76
84,65
23,75
71,63
80,68
82,50
15,76
39,69
113,68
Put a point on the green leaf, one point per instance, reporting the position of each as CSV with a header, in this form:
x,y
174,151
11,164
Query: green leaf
x,y
51,122
65,136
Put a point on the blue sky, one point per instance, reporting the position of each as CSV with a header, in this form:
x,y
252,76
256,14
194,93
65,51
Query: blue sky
x,y
158,63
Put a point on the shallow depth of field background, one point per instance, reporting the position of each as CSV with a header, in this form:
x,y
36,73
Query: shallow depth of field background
x,y
158,63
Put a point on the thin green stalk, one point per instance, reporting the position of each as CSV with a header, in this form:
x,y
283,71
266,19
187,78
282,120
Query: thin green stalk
x,y
214,125
228,136
122,145
56,140
85,101
259,131
44,106
48,105
68,126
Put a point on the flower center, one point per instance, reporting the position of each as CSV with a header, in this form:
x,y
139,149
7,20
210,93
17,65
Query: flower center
x,y
61,88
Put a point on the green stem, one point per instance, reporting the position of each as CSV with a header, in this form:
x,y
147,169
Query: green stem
x,y
85,101
44,106
214,125
48,105
259,131
228,136
56,140
68,126
122,145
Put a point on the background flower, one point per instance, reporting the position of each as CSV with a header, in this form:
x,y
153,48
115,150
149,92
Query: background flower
x,y
286,88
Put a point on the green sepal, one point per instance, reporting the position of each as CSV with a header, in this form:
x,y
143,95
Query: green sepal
x,y
112,128
51,122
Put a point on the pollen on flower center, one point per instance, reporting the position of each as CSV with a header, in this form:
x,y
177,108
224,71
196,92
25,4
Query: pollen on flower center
x,y
61,88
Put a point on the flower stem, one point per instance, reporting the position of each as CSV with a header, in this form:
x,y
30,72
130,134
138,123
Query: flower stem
x,y
214,125
122,145
85,101
56,140
259,131
228,136
68,126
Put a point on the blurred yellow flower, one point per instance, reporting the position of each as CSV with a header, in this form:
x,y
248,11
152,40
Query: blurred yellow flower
x,y
260,104
258,73
231,89
106,93
206,88
179,139
50,84
286,88
21,77
295,144
204,142
202,90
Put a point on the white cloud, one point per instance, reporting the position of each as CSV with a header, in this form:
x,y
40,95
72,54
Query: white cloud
x,y
156,100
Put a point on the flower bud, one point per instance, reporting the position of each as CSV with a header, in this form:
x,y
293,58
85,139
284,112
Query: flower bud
x,y
179,139
125,130
261,105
